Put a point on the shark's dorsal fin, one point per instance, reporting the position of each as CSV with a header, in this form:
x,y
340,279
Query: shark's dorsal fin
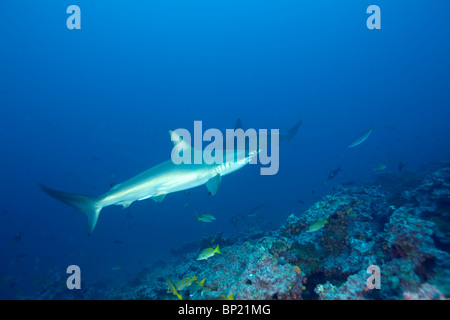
x,y
177,139
213,184
159,198
238,124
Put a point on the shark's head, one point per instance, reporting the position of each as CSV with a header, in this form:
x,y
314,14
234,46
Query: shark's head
x,y
235,160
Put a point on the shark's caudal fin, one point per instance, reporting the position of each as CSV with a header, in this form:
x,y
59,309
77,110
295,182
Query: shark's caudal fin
x,y
88,205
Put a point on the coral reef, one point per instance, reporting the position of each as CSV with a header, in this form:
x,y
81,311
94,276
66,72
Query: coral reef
x,y
425,291
322,253
247,270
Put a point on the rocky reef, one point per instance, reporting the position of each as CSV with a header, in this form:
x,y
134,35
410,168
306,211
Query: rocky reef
x,y
324,252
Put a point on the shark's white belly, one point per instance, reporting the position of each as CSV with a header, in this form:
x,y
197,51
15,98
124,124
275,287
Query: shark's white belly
x,y
160,180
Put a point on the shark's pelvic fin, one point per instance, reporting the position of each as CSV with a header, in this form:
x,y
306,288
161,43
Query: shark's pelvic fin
x,y
88,205
159,198
126,204
213,184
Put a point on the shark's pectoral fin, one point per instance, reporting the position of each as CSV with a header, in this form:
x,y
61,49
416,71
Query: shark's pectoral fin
x,y
213,184
159,198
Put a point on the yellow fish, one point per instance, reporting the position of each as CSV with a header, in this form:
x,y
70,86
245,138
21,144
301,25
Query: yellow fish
x,y
38,279
186,282
380,167
208,253
206,218
222,297
196,286
172,288
117,268
201,283
317,225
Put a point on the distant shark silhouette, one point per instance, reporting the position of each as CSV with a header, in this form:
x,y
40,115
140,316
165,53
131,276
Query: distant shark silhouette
x,y
289,136
156,182
291,133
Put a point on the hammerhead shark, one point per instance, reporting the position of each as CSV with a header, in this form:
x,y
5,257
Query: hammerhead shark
x,y
155,183
288,136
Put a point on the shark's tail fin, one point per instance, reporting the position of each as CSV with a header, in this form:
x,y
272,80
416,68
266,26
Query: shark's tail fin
x,y
88,205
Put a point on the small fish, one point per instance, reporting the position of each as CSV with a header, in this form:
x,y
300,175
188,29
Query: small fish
x,y
222,297
17,237
201,283
117,268
186,204
172,288
334,173
118,241
256,210
301,201
361,138
380,167
208,253
317,226
38,279
234,221
206,218
186,282
401,166
196,286
216,238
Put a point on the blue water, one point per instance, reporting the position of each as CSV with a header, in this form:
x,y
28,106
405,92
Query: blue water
x,y
82,109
